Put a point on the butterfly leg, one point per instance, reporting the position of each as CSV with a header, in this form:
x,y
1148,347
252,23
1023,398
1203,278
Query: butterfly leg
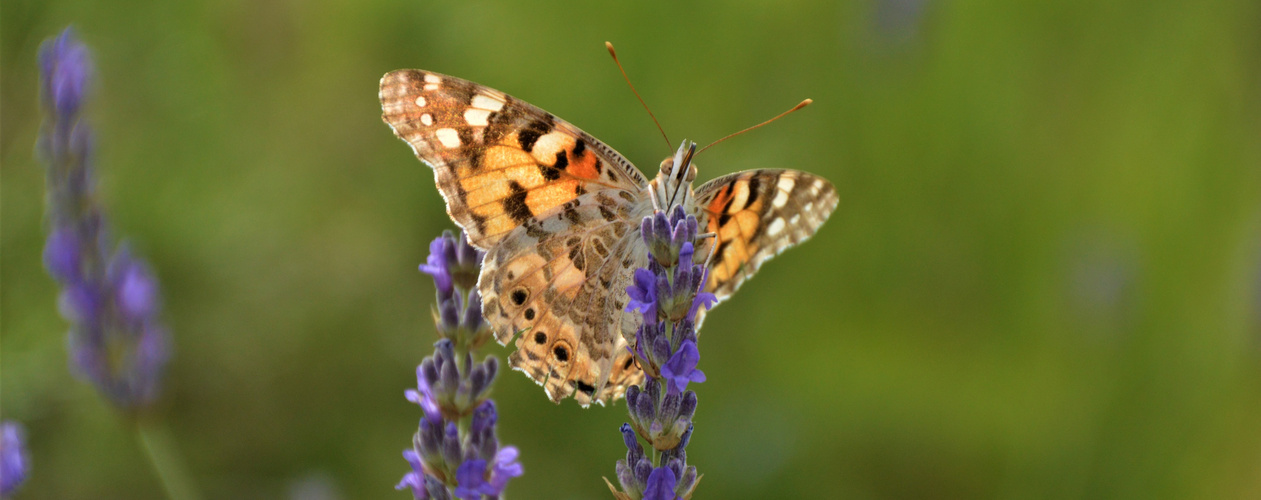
x,y
713,249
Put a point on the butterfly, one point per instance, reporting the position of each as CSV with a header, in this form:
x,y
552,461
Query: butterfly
x,y
559,215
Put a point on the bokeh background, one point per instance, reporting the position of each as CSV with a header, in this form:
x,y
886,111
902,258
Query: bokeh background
x,y
1043,279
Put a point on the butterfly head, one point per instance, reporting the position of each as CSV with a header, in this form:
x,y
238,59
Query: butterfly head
x,y
673,185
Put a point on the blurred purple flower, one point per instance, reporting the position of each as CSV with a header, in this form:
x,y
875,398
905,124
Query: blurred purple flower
x,y
416,478
14,465
472,480
505,467
110,298
436,264
899,20
423,395
67,67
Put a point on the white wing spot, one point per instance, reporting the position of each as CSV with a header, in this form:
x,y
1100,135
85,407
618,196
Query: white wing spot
x,y
794,220
786,183
432,78
740,199
420,101
484,101
426,119
809,206
448,137
781,198
476,117
776,226
430,87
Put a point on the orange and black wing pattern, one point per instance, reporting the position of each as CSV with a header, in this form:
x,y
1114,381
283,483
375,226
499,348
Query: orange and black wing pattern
x,y
755,215
497,160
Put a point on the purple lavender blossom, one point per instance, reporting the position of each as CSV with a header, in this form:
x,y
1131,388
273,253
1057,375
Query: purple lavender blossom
x,y
668,294
455,452
14,466
454,266
110,297
681,368
661,484
436,265
479,477
643,294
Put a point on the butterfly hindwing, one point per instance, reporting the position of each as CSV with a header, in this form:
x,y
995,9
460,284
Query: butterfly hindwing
x,y
560,284
756,214
497,160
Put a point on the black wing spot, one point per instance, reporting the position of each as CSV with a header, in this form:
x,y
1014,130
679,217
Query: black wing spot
x,y
531,133
515,205
553,172
465,134
529,316
578,258
722,247
572,214
726,207
629,361
499,123
540,337
579,147
754,186
586,388
519,295
561,353
536,232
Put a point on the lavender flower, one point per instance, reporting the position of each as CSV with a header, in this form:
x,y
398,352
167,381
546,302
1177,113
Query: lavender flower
x,y
14,466
661,484
110,297
668,294
454,264
681,368
455,452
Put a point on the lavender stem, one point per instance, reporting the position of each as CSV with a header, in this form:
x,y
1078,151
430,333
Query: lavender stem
x,y
159,449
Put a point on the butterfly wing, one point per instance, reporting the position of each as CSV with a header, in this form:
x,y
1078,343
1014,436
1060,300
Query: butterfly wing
x,y
560,282
756,214
497,160
559,213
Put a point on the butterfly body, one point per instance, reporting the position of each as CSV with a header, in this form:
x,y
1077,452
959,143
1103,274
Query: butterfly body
x,y
559,214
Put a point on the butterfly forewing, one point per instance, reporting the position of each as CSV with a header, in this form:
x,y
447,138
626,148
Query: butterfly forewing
x,y
756,214
498,161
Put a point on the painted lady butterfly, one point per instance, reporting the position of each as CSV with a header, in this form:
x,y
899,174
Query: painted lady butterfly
x,y
559,213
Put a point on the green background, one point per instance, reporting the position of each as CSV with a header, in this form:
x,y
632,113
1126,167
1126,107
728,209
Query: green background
x,y
1043,279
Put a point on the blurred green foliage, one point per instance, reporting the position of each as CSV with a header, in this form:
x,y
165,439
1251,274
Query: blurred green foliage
x,y
1043,280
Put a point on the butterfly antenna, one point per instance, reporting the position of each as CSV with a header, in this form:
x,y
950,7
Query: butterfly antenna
x,y
609,45
781,115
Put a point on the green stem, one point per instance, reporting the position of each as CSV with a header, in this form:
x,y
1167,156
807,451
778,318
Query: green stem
x,y
159,448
